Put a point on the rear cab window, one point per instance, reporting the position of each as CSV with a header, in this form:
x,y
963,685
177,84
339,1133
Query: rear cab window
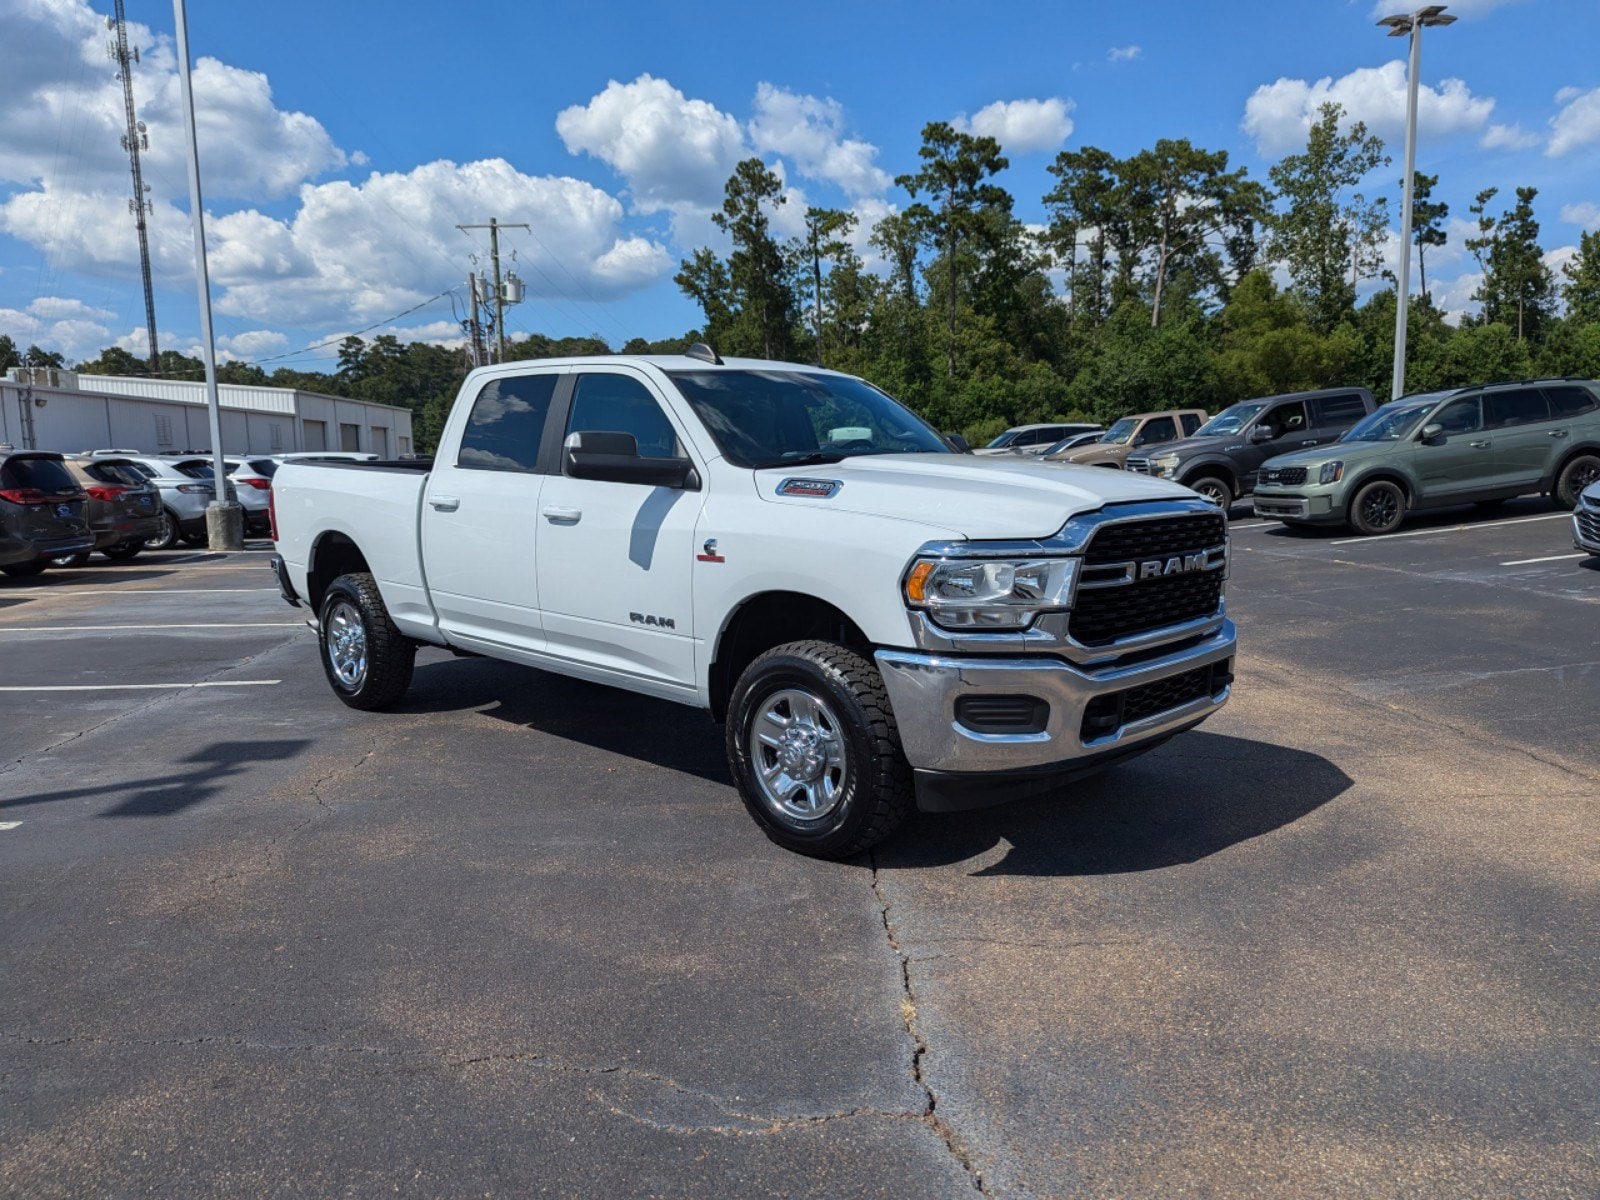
x,y
1190,422
505,430
1339,411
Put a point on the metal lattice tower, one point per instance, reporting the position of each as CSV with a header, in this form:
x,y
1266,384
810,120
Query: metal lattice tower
x,y
133,141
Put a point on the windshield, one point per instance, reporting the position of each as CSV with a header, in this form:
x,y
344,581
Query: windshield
x,y
1229,420
1121,432
781,418
1004,440
197,469
1394,420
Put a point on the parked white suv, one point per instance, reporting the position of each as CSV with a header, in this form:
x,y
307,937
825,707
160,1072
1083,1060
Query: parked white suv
x,y
877,620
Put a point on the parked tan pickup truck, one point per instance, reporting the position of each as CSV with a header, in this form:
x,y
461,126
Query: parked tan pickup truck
x,y
1133,433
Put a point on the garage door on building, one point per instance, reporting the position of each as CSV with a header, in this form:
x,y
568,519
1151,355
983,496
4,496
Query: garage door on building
x,y
349,437
380,441
316,435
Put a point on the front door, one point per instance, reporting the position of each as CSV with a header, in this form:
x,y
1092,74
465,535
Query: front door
x,y
1290,432
1461,459
615,559
480,515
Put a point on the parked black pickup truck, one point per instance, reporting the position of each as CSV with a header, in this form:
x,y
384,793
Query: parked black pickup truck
x,y
1221,460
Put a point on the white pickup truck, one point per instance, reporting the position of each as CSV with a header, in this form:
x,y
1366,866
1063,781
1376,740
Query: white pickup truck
x,y
880,622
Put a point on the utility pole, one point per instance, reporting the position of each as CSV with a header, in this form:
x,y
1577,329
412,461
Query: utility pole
x,y
133,141
475,353
224,518
1408,24
494,227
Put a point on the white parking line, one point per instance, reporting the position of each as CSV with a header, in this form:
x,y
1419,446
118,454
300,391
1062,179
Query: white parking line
x,y
1251,524
1524,562
157,566
1389,537
144,687
121,628
8,825
129,591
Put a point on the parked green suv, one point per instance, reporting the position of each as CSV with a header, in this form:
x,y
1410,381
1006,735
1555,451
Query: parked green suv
x,y
1476,445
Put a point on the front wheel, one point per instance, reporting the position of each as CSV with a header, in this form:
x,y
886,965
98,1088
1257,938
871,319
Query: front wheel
x,y
1214,489
1575,476
1378,507
367,660
814,750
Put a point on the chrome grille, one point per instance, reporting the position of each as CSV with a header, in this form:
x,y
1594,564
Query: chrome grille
x,y
1139,465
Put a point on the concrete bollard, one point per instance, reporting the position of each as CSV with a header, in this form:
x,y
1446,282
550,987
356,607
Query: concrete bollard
x,y
225,526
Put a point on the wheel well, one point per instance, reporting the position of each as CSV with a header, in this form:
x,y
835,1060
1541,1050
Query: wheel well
x,y
1394,477
769,620
1222,471
1575,452
333,555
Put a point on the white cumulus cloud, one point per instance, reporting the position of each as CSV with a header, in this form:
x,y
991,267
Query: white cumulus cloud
x,y
59,323
1123,53
1279,115
1508,137
1023,126
671,150
1585,215
1578,122
809,132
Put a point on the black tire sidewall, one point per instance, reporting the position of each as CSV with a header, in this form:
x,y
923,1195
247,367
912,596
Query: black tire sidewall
x,y
1359,524
1222,485
841,826
342,589
389,653
1566,495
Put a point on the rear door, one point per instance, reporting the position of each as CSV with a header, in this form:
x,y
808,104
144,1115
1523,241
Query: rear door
x,y
1518,421
480,513
1571,409
615,559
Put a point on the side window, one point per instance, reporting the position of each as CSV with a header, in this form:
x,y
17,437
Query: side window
x,y
1344,410
1287,418
507,424
1520,406
1191,422
1157,429
621,404
1570,400
1462,415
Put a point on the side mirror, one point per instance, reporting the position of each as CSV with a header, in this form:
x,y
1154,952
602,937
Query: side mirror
x,y
958,443
615,458
1262,433
1432,434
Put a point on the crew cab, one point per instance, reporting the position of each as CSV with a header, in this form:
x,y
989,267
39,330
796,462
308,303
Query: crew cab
x,y
879,622
1220,460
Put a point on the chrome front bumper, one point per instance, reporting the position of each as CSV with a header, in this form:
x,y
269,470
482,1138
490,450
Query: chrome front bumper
x,y
923,690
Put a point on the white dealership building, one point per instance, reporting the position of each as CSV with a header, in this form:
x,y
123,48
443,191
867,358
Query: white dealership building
x,y
49,409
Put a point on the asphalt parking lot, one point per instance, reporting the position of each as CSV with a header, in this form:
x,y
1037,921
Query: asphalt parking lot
x,y
520,938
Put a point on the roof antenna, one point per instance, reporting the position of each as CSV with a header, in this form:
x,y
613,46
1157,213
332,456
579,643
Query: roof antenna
x,y
704,353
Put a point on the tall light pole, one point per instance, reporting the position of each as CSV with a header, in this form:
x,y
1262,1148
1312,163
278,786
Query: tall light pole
x,y
224,520
1408,25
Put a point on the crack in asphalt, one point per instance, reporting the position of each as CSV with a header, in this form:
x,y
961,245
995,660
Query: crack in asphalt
x,y
919,1045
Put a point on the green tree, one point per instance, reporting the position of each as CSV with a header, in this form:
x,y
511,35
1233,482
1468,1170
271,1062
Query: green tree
x,y
1581,290
8,353
1085,203
1518,289
757,269
35,356
1327,234
1427,222
954,175
823,243
114,360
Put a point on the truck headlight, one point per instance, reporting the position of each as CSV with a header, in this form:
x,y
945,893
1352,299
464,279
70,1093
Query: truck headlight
x,y
1164,465
989,593
1332,472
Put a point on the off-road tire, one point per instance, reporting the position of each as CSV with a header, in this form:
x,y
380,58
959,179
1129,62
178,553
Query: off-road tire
x,y
1214,488
878,794
391,655
1576,474
1377,508
123,551
27,569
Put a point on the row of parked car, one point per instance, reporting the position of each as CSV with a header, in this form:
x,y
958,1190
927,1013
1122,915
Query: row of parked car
x,y
1334,457
58,510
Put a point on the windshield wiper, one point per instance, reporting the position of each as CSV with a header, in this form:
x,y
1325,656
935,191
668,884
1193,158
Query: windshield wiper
x,y
799,460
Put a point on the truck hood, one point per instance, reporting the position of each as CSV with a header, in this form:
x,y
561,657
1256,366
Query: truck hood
x,y
998,496
1188,447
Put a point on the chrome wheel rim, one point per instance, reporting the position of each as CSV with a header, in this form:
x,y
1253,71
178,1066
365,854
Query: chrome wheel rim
x,y
161,539
347,644
1380,508
1215,494
797,755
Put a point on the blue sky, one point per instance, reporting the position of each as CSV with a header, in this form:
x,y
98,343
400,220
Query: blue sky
x,y
342,142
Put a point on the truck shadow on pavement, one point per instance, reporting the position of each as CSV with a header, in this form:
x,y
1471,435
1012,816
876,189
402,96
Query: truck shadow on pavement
x,y
1198,795
175,789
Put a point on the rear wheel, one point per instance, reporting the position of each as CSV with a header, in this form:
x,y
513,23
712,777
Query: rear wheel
x,y
24,570
814,750
1575,476
1215,489
166,537
1378,507
122,551
367,660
